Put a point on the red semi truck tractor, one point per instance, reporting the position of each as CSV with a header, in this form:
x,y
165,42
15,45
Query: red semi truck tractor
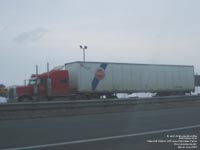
x,y
44,86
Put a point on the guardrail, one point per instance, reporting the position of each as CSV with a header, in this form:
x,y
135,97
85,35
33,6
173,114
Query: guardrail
x,y
77,107
94,103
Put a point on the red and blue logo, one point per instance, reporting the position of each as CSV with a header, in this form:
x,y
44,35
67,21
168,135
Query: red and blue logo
x,y
99,75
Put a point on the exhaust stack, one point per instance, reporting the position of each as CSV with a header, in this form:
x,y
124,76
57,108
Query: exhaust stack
x,y
36,67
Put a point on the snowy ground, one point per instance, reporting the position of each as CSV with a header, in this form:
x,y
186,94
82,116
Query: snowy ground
x,y
3,100
124,95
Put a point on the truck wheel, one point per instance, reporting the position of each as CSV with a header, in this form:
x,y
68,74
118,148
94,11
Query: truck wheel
x,y
49,98
25,99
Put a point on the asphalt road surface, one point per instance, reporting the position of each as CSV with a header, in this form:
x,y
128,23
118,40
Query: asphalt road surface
x,y
169,129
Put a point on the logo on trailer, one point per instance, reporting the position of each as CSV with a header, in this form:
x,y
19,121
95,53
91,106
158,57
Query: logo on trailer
x,y
100,74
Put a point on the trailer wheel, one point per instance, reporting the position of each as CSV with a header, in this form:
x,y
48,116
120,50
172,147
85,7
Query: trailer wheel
x,y
111,96
25,99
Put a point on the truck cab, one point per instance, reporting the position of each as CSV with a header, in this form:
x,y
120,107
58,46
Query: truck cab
x,y
45,86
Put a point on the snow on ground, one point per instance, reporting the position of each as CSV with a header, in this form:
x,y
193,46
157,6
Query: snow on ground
x,y
124,95
3,100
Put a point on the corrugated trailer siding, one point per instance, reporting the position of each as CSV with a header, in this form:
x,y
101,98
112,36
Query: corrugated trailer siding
x,y
129,77
74,75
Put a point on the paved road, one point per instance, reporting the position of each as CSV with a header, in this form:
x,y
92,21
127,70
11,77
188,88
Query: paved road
x,y
117,131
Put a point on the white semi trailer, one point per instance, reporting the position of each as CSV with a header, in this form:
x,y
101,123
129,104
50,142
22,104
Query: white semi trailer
x,y
103,78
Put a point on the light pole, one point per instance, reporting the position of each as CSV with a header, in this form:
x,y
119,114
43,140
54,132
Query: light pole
x,y
83,48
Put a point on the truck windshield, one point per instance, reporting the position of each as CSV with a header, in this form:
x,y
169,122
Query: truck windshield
x,y
32,82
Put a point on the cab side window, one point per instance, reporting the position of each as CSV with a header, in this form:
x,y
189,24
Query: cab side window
x,y
42,82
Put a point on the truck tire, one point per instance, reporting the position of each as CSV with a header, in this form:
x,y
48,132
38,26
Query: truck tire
x,y
25,99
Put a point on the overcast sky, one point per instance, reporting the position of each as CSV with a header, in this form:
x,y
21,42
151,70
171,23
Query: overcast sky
x,y
134,31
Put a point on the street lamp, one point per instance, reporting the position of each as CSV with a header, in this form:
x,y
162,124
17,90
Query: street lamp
x,y
83,48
